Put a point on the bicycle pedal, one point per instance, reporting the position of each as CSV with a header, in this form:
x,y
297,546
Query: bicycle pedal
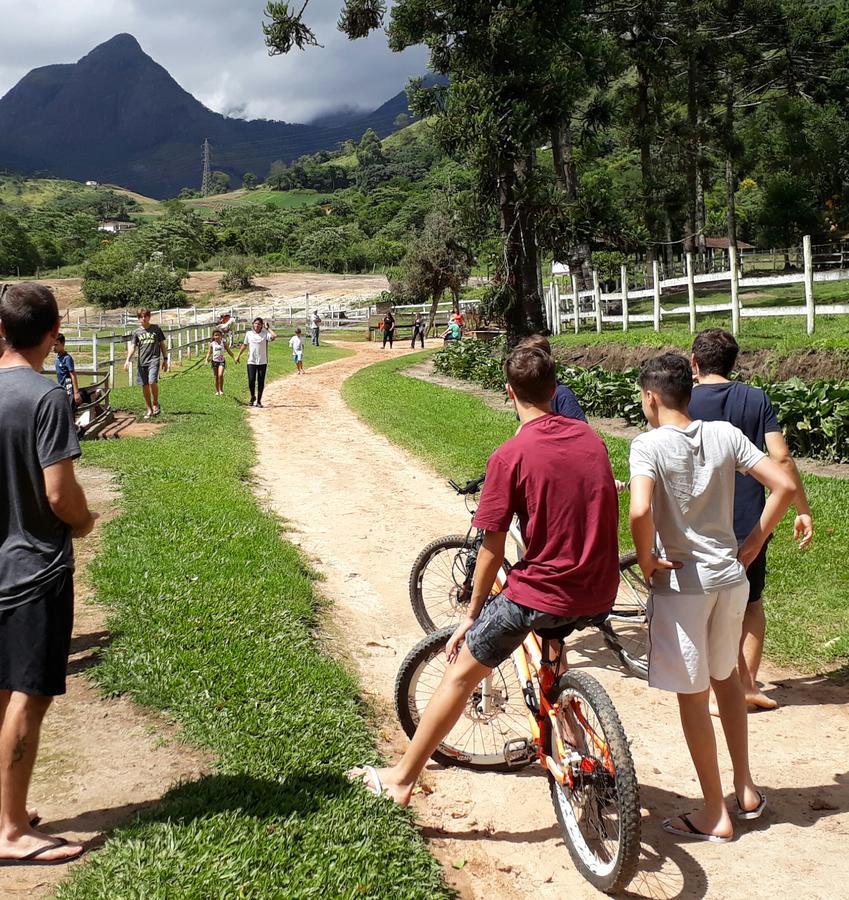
x,y
518,751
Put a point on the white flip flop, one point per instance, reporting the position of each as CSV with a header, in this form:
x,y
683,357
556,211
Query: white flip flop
x,y
368,777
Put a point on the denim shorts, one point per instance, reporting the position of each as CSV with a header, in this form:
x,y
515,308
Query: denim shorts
x,y
503,625
148,374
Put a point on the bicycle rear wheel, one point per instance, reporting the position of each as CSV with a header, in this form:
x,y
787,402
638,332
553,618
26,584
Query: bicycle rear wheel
x,y
600,812
625,630
495,715
440,582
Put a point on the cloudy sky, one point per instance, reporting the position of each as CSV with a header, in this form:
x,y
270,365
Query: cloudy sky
x,y
215,50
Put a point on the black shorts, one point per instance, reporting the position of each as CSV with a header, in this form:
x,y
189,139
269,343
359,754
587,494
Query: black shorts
x,y
35,640
756,573
503,625
219,364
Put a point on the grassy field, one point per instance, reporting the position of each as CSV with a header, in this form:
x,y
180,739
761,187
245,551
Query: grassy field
x,y
213,619
807,597
278,199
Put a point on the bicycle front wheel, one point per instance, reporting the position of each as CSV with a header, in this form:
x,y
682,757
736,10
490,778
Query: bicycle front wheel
x,y
440,582
625,630
599,812
491,734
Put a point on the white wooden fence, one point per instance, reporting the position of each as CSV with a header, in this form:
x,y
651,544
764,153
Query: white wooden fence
x,y
561,307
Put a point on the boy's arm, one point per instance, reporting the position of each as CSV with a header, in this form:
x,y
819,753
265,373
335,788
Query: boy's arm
x,y
76,385
67,499
643,530
490,559
163,349
130,353
782,489
803,526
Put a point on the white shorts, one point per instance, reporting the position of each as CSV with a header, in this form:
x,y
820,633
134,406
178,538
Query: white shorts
x,y
695,637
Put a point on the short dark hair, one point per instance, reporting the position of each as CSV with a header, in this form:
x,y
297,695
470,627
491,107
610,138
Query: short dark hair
x,y
530,371
715,351
142,311
670,376
28,311
258,319
537,340
60,337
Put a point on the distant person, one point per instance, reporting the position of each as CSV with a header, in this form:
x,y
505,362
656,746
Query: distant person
x,y
152,349
43,508
388,329
215,356
419,329
564,402
65,372
296,342
682,523
227,324
256,343
315,328
715,398
453,333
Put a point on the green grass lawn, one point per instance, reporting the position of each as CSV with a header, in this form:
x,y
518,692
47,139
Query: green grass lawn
x,y
278,199
213,619
807,596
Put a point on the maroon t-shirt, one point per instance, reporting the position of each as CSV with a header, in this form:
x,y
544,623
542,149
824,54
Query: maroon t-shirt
x,y
555,476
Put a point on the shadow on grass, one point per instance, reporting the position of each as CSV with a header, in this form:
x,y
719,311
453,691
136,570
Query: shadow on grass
x,y
260,798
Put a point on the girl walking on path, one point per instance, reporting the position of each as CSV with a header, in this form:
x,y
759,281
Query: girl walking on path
x,y
388,329
256,343
215,355
418,330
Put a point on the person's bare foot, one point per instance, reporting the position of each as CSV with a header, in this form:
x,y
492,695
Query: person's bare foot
x,y
720,827
760,700
382,782
53,848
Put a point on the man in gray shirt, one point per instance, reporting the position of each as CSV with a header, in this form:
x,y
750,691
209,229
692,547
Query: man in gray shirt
x,y
43,508
682,522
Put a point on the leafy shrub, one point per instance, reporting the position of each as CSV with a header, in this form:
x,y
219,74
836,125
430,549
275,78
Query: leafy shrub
x,y
814,417
116,277
239,272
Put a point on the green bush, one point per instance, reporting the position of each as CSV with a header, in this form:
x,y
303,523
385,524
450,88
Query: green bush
x,y
116,277
814,417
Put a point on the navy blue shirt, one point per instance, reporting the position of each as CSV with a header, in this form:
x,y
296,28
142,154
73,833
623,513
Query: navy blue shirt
x,y
565,403
64,367
750,410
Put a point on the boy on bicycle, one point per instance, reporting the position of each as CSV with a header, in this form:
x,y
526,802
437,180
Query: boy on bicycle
x,y
682,521
556,477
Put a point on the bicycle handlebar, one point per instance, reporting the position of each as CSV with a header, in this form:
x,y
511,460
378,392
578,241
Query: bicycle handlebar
x,y
470,487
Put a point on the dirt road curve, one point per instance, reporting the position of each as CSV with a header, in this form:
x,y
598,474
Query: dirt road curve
x,y
322,469
100,760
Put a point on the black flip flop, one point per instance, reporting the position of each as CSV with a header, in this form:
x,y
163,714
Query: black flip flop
x,y
692,832
32,858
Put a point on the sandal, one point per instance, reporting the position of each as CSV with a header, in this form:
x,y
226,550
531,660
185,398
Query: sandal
x,y
693,832
748,814
368,777
32,858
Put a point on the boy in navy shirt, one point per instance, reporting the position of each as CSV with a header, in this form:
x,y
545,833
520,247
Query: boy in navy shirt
x,y
716,398
65,372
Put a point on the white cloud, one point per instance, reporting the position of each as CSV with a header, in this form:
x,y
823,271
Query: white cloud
x,y
215,50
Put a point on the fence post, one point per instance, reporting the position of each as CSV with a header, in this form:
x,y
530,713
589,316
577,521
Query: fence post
x,y
735,291
111,382
575,303
656,287
557,322
195,311
94,353
130,368
691,292
623,277
809,284
180,346
597,301
170,354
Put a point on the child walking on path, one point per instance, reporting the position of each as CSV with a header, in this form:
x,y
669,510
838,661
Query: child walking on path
x,y
215,355
682,522
296,342
715,398
555,475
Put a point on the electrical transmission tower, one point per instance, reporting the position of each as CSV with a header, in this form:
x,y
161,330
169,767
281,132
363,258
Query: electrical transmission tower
x,y
206,181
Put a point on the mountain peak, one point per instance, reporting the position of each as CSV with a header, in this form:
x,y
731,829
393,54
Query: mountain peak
x,y
121,45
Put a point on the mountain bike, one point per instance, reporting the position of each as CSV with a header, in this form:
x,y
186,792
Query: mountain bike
x,y
442,576
572,731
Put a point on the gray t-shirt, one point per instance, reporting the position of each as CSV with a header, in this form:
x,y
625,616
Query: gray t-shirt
x,y
148,341
693,470
36,431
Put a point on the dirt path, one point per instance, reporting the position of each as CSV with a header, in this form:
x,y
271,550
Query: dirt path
x,y
501,828
101,760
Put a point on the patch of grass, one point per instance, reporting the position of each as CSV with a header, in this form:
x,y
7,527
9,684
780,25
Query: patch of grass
x,y
279,199
213,618
807,595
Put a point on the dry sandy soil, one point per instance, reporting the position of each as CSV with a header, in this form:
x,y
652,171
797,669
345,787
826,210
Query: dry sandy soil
x,y
101,760
501,828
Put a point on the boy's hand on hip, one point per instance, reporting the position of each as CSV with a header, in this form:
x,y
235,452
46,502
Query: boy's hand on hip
x,y
452,648
803,530
654,564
